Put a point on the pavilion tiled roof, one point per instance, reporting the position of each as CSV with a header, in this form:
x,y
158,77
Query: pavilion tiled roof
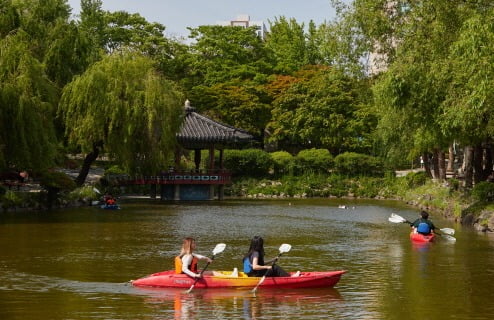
x,y
198,132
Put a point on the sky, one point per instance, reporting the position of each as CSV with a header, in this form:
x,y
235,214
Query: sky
x,y
177,15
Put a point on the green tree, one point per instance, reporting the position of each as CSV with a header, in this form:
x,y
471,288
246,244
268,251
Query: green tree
x,y
27,102
108,31
287,41
123,106
412,39
227,67
321,108
342,43
242,104
467,110
29,74
220,54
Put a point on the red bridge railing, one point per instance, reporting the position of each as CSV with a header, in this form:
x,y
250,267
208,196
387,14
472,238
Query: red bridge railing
x,y
177,177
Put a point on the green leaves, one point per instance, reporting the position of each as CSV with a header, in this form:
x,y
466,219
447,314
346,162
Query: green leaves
x,y
470,104
318,108
27,101
123,102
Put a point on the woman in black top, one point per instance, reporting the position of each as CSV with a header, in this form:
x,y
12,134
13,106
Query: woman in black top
x,y
255,260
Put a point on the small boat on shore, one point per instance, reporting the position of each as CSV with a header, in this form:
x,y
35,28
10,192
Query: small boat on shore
x,y
418,237
225,279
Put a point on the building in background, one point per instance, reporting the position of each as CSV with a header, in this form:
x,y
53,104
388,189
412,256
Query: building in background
x,y
243,20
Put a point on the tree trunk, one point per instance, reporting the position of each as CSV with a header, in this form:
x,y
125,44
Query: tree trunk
x,y
451,159
427,164
435,164
478,159
488,161
468,166
88,161
441,165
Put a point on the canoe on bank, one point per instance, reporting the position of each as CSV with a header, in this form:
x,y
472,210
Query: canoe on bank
x,y
417,237
224,279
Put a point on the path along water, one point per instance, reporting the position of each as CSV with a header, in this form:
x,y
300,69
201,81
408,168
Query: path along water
x,y
75,264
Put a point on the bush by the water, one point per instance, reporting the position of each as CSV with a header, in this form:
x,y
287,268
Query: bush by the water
x,y
248,162
283,162
314,160
416,179
356,164
483,191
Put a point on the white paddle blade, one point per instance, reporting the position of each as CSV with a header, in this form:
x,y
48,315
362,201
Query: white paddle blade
x,y
220,247
396,218
96,190
449,238
449,231
285,247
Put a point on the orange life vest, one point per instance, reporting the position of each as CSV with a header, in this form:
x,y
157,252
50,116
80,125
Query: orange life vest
x,y
178,264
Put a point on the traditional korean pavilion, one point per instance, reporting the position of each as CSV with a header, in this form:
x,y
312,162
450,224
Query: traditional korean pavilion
x,y
199,133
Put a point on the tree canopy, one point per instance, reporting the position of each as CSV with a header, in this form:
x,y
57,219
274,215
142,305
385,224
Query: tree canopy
x,y
122,104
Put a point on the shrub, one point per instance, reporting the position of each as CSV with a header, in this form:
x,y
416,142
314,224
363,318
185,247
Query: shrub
x,y
10,200
84,193
416,179
56,180
369,187
314,160
283,162
338,185
355,164
114,170
248,162
483,191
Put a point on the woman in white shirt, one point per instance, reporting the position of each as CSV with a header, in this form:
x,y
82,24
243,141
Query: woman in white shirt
x,y
186,262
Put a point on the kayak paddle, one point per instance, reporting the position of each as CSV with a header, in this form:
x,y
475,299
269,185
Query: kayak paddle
x,y
447,231
218,249
285,247
446,236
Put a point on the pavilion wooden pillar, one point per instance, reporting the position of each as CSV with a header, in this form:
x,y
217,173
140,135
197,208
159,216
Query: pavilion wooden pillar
x,y
197,159
221,187
211,168
176,187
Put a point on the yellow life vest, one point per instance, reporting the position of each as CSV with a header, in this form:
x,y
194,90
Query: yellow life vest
x,y
178,265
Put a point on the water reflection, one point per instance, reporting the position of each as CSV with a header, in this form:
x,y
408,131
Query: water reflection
x,y
234,303
73,264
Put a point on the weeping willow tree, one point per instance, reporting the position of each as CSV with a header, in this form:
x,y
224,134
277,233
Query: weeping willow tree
x,y
122,106
27,105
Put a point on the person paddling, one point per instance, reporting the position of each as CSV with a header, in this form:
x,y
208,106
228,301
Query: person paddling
x,y
423,225
254,264
186,262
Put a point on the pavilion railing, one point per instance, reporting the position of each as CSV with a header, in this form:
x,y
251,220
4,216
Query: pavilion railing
x,y
203,176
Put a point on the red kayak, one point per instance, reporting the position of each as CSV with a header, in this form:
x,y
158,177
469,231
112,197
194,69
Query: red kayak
x,y
225,279
418,237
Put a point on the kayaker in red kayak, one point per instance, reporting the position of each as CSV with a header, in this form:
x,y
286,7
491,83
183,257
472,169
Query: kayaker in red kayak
x,y
254,264
423,225
186,262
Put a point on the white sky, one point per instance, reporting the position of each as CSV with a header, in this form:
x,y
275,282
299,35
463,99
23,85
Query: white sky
x,y
177,15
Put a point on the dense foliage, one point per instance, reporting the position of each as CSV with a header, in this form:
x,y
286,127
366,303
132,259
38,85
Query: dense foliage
x,y
250,162
354,164
388,79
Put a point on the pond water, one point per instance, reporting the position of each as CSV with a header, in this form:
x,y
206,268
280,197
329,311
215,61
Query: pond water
x,y
76,263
